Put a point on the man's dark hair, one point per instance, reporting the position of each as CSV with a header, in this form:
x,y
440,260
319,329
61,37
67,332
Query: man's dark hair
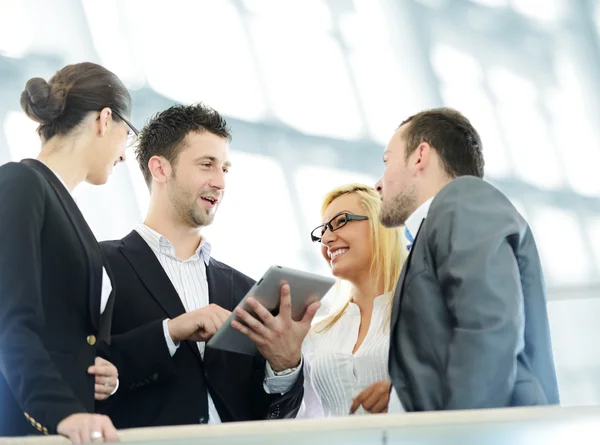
x,y
452,136
165,132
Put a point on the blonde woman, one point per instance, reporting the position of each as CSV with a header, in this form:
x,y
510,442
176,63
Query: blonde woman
x,y
346,354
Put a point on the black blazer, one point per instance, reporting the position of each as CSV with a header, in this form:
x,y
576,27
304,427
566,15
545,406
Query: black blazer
x,y
157,389
469,321
50,289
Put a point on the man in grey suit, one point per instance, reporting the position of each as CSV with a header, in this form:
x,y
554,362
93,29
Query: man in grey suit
x,y
469,326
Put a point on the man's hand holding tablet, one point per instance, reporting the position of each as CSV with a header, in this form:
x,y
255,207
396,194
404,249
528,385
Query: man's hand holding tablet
x,y
274,317
278,337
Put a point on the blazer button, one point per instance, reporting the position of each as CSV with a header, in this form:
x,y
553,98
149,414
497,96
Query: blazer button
x,y
91,339
203,420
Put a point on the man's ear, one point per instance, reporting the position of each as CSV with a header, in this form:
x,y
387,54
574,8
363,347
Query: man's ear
x,y
422,155
160,169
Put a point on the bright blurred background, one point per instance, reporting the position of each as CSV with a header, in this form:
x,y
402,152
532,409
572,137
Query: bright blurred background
x,y
313,89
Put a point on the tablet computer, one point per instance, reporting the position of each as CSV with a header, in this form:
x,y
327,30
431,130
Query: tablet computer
x,y
305,288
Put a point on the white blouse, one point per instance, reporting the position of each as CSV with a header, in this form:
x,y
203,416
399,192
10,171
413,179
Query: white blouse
x,y
333,376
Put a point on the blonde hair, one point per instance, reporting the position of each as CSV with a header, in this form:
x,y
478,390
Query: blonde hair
x,y
386,244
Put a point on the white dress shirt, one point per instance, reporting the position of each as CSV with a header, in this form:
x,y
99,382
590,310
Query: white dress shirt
x,y
189,280
413,223
333,375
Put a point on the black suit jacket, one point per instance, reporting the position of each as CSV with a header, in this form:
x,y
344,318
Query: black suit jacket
x,y
469,321
157,389
50,289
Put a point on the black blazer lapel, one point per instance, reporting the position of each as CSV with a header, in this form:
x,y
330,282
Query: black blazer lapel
x,y
220,285
106,316
85,234
399,293
220,292
146,265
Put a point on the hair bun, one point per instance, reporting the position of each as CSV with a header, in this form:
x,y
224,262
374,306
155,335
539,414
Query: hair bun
x,y
43,102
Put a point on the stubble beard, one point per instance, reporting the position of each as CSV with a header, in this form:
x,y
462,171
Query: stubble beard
x,y
396,210
186,206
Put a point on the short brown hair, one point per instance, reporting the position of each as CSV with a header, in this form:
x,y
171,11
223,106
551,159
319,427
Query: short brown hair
x,y
165,132
455,140
60,104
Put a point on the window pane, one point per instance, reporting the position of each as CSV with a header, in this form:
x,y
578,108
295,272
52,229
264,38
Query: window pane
x,y
29,29
200,58
491,3
137,185
548,12
562,248
593,226
575,333
388,93
526,131
23,141
598,18
307,14
574,132
461,79
256,225
15,28
112,40
308,82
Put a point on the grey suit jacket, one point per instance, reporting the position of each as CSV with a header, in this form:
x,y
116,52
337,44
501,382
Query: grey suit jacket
x,y
469,326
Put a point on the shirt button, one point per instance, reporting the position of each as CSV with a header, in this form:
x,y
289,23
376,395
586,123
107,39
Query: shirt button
x,y
91,339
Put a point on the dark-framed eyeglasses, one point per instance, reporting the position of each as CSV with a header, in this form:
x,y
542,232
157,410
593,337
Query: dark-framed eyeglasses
x,y
335,223
132,135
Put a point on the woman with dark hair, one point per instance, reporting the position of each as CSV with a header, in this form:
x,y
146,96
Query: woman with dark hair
x,y
55,293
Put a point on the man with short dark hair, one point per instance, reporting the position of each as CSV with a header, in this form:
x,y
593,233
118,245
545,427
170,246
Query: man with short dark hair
x,y
172,296
469,323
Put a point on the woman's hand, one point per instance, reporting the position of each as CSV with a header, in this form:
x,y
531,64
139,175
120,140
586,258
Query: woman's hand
x,y
88,428
374,399
107,378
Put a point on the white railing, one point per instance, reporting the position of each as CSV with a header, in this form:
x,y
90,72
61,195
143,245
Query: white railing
x,y
512,426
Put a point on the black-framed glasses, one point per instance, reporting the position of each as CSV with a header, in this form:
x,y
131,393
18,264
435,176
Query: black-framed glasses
x,y
335,223
133,134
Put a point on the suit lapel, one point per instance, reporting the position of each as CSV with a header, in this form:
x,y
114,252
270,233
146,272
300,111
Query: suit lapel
x,y
220,286
399,293
220,292
146,265
106,316
85,234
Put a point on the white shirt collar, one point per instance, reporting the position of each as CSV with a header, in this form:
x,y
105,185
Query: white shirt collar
x,y
380,301
413,222
156,241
